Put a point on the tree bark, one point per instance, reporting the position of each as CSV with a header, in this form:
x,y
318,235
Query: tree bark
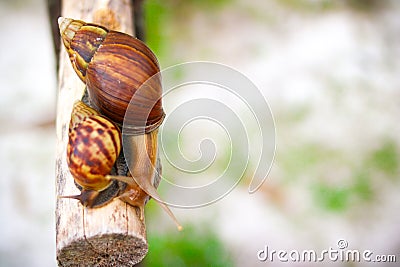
x,y
112,235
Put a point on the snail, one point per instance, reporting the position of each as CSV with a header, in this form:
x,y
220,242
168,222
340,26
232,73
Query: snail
x,y
94,143
114,65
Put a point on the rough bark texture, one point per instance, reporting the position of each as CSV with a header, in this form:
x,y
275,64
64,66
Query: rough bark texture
x,y
112,235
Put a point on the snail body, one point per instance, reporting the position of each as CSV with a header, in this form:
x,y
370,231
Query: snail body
x,y
114,65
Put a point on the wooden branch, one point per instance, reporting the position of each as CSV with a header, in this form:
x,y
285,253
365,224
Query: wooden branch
x,y
138,14
54,11
112,235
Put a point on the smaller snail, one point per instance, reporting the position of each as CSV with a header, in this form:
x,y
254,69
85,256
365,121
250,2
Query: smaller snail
x,y
94,144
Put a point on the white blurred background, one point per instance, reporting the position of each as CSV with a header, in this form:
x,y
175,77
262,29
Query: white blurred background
x,y
331,75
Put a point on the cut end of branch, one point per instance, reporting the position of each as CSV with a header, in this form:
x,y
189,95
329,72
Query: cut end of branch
x,y
104,250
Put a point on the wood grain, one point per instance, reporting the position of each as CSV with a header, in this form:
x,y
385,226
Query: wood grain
x,y
112,235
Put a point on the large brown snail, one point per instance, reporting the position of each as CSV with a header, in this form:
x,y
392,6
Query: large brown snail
x,y
113,65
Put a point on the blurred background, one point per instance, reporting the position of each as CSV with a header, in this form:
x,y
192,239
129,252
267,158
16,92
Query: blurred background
x,y
330,72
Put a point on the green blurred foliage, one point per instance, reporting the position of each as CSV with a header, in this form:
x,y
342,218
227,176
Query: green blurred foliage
x,y
362,186
318,5
378,164
332,198
307,4
165,21
156,15
305,157
339,198
386,158
365,5
191,247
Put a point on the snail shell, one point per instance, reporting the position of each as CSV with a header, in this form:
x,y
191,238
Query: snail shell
x,y
114,65
94,143
93,147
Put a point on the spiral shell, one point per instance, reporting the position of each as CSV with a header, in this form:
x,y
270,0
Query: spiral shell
x,y
93,147
114,65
